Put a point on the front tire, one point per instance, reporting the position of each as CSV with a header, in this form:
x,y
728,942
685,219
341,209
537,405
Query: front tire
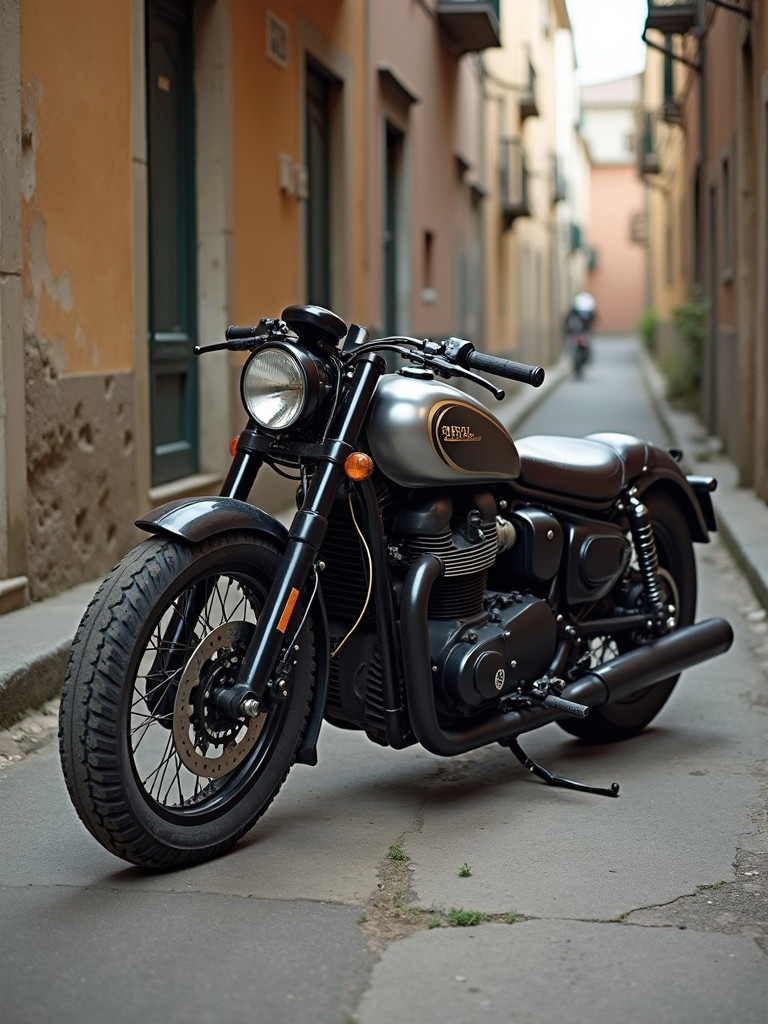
x,y
157,772
677,577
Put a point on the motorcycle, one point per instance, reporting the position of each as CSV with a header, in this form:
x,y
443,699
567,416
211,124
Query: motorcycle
x,y
439,584
579,344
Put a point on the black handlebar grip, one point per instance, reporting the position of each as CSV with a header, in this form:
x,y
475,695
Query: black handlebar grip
x,y
558,704
523,372
233,333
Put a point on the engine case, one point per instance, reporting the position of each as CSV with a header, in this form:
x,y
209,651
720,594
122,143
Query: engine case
x,y
477,664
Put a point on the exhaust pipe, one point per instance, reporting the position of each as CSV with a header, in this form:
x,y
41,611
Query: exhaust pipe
x,y
615,680
629,673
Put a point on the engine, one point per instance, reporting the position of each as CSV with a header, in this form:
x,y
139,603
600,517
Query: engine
x,y
483,644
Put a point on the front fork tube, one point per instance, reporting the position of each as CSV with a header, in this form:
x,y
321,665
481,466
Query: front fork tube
x,y
171,658
305,539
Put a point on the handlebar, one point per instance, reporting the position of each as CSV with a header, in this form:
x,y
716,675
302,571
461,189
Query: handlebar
x,y
464,354
458,352
234,333
523,372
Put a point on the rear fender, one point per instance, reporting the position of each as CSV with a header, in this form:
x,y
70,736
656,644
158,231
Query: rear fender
x,y
695,502
647,466
196,519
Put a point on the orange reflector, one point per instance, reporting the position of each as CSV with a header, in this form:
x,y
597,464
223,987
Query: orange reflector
x,y
358,466
233,445
289,606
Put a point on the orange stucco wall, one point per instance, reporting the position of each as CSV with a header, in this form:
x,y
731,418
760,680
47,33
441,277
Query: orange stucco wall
x,y
267,121
76,171
619,282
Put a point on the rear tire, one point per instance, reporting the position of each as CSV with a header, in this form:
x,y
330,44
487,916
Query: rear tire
x,y
156,772
677,570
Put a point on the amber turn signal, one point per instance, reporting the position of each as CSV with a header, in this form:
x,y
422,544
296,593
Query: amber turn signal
x,y
358,466
233,445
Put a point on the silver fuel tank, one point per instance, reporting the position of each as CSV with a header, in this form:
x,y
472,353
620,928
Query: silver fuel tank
x,y
422,432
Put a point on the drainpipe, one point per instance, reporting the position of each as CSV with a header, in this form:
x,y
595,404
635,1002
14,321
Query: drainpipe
x,y
705,224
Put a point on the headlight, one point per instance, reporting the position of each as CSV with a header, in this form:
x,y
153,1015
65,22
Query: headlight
x,y
280,385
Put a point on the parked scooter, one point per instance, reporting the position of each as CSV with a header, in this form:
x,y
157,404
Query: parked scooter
x,y
439,584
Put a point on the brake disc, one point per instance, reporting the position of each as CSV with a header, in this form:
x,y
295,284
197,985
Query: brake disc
x,y
207,743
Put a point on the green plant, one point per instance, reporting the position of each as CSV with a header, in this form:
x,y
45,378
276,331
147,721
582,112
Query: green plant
x,y
510,917
684,371
647,324
465,870
460,918
396,852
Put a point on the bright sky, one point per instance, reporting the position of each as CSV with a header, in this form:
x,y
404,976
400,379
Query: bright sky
x,y
607,38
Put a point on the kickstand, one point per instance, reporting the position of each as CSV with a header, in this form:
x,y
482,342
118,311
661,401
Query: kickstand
x,y
556,780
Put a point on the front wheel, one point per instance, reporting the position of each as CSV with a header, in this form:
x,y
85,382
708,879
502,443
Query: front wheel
x,y
160,772
677,582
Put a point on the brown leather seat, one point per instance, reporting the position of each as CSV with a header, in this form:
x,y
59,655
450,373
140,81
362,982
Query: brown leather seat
x,y
595,467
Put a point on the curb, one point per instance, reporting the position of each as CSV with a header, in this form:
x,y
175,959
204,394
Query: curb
x,y
742,518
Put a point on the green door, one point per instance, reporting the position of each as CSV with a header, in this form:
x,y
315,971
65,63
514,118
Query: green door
x,y
172,266
318,130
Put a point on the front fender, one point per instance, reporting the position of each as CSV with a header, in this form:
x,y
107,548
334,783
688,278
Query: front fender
x,y
196,519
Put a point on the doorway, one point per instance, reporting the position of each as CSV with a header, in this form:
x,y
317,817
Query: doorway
x,y
172,241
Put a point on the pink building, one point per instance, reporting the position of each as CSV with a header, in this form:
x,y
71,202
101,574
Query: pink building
x,y
616,230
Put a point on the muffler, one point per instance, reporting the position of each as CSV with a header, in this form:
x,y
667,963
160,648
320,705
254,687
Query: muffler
x,y
628,674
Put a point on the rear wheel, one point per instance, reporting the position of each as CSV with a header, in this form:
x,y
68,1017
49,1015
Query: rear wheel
x,y
677,583
159,770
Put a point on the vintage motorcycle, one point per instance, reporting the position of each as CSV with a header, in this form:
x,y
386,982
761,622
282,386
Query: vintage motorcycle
x,y
439,584
578,343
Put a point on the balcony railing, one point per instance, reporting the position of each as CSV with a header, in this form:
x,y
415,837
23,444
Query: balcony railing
x,y
673,17
513,182
558,180
648,154
471,25
529,106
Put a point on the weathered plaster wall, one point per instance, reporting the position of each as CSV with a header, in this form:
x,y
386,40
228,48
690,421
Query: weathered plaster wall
x,y
80,457
76,180
76,221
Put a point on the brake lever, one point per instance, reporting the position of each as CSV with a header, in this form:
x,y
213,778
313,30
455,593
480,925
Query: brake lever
x,y
236,345
448,369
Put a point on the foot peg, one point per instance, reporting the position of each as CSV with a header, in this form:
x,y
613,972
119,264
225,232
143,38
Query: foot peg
x,y
556,780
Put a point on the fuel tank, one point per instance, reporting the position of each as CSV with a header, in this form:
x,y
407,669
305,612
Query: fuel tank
x,y
423,433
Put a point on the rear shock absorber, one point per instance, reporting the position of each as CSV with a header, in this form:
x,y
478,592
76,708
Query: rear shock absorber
x,y
645,548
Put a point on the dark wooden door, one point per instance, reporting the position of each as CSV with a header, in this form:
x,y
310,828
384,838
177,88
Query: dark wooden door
x,y
172,256
318,131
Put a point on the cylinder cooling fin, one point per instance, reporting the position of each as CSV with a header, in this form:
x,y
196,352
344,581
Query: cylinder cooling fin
x,y
466,541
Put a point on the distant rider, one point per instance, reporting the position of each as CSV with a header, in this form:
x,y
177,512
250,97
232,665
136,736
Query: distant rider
x,y
578,324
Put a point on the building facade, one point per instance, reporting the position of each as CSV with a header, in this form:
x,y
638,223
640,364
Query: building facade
x,y
617,278
706,149
168,167
532,267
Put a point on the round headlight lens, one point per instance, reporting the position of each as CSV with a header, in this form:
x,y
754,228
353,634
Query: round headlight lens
x,y
274,388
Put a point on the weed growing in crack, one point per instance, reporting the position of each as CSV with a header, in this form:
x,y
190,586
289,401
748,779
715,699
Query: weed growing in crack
x,y
460,918
465,870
